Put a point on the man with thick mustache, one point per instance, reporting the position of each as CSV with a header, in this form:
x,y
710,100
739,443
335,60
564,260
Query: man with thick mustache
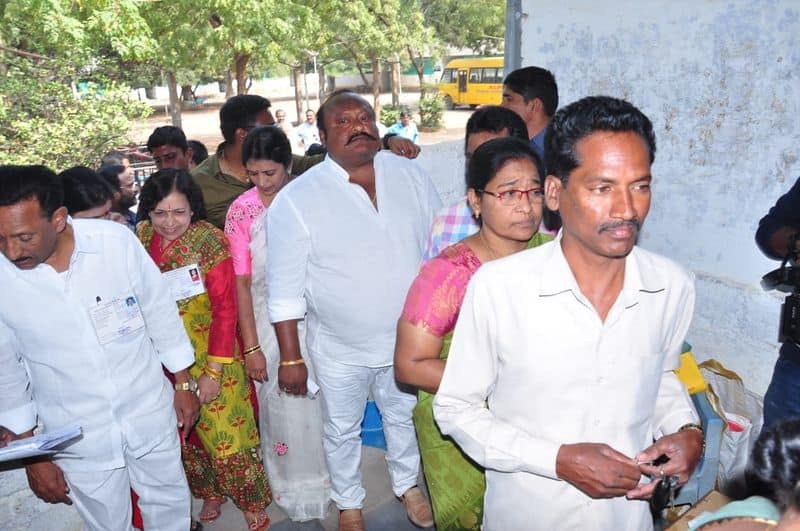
x,y
560,377
345,240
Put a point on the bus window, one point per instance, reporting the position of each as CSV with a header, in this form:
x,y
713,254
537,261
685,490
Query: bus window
x,y
474,75
448,76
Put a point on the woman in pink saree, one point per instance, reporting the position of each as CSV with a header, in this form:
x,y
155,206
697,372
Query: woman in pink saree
x,y
505,180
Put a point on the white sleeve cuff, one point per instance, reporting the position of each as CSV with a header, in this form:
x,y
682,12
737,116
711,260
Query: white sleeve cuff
x,y
19,419
177,359
286,309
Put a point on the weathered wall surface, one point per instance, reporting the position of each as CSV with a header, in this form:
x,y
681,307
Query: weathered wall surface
x,y
719,79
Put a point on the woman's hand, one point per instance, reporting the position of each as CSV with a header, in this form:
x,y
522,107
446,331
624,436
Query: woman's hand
x,y
255,365
292,379
207,389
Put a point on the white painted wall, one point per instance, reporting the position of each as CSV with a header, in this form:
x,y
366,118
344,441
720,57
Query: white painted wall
x,y
719,80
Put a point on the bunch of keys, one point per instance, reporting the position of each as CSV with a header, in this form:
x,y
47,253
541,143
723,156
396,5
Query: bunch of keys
x,y
664,494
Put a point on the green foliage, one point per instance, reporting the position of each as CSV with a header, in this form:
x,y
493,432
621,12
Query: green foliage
x,y
42,121
476,24
390,114
431,110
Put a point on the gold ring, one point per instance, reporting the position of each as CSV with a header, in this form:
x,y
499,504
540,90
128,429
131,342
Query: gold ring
x,y
661,472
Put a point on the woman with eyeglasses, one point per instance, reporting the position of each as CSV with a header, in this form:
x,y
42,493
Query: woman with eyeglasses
x,y
221,456
505,181
291,426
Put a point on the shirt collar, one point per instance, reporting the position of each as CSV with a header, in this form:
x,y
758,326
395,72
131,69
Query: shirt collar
x,y
558,278
341,172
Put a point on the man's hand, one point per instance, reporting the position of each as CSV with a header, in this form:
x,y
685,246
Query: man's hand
x,y
683,449
47,481
255,365
292,379
403,147
597,470
187,408
6,436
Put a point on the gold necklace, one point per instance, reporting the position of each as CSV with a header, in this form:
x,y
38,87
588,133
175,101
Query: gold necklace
x,y
486,244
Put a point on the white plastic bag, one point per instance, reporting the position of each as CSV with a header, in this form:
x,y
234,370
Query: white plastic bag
x,y
743,412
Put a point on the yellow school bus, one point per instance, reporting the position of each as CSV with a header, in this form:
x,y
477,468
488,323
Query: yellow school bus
x,y
472,81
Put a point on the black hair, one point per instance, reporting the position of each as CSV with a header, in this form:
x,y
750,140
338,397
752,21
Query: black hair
x,y
164,182
773,469
110,174
84,189
535,82
584,117
491,156
167,135
335,97
240,112
113,158
494,119
199,151
20,183
268,142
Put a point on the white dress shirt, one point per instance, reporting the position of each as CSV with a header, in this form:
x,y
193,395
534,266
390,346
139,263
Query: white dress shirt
x,y
532,367
308,134
332,255
116,392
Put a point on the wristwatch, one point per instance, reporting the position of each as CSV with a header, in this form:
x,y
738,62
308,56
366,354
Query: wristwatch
x,y
190,385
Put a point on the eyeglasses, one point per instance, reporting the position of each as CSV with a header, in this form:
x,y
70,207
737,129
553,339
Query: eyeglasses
x,y
512,197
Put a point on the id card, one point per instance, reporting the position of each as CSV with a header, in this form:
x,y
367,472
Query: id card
x,y
116,319
185,282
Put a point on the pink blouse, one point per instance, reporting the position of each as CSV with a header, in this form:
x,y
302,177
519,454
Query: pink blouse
x,y
435,297
241,214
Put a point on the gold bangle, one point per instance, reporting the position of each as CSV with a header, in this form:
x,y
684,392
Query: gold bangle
x,y
299,361
250,350
212,373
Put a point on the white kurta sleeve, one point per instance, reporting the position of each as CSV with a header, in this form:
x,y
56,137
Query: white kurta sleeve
x,y
468,382
673,406
164,325
17,410
288,248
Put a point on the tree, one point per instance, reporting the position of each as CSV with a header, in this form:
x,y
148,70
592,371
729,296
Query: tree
x,y
476,24
42,122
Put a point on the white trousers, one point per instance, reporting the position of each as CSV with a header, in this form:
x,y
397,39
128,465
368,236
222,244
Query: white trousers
x,y
344,393
103,497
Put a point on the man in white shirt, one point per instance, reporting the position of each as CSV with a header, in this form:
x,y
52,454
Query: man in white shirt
x,y
89,314
560,374
308,132
345,241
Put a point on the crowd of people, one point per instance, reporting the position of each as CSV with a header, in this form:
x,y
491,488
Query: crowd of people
x,y
222,342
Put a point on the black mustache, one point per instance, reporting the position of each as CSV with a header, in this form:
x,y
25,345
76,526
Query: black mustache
x,y
617,224
361,134
21,259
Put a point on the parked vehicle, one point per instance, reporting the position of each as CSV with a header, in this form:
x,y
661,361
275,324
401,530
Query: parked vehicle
x,y
472,81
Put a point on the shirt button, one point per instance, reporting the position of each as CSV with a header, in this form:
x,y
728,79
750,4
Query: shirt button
x,y
601,380
597,422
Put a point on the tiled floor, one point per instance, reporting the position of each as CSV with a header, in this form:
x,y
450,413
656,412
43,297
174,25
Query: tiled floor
x,y
382,510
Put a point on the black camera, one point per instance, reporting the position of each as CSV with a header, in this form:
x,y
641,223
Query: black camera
x,y
787,279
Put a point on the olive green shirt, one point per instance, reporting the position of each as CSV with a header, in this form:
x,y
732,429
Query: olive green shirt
x,y
220,189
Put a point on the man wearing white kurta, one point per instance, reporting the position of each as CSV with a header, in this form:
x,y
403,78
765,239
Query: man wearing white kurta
x,y
560,372
345,241
91,317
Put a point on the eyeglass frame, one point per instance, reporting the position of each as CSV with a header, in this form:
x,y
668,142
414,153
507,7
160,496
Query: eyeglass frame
x,y
517,197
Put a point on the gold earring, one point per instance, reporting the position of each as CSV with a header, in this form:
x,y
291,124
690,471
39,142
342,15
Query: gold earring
x,y
477,216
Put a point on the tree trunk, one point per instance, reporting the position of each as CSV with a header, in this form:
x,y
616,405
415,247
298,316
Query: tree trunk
x,y
241,73
186,93
174,102
396,81
376,86
297,75
228,84
419,65
321,88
